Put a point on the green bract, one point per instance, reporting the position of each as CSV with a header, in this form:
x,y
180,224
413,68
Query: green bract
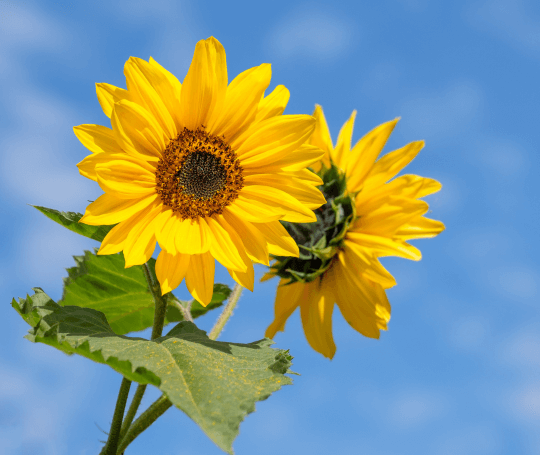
x,y
319,242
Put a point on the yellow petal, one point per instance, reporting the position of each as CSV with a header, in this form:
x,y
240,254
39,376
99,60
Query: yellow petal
x,y
108,94
200,277
140,79
166,226
171,270
321,138
365,152
288,298
391,163
273,139
291,208
251,210
205,84
367,265
254,242
115,239
383,246
280,243
126,177
191,236
108,209
169,89
273,104
316,311
141,241
137,132
226,245
97,138
299,159
340,155
245,279
307,194
87,167
241,102
420,228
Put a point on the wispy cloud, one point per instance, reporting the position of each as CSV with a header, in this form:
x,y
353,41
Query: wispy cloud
x,y
510,20
311,34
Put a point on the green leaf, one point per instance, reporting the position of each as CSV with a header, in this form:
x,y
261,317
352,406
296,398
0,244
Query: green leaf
x,y
104,284
215,383
70,220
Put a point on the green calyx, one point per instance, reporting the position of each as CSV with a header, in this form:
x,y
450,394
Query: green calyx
x,y
320,241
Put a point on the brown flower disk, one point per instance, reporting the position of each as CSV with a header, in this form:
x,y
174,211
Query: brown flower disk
x,y
199,174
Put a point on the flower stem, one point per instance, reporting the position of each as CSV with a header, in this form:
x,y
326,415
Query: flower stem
x,y
146,419
226,313
132,411
160,310
116,425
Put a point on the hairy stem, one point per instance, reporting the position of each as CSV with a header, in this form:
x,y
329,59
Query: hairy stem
x,y
146,419
226,313
160,303
116,425
132,411
186,311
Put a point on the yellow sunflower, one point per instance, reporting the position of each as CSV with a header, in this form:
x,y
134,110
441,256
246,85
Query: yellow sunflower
x,y
369,214
205,168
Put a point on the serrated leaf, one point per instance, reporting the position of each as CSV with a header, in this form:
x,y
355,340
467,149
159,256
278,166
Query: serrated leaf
x,y
70,220
215,383
104,284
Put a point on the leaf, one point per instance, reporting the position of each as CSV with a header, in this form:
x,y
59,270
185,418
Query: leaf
x,y
104,284
70,220
215,383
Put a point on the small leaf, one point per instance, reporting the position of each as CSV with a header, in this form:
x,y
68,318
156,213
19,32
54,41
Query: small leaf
x,y
104,284
215,383
70,220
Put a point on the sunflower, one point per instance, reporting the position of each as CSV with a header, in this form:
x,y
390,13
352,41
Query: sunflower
x,y
205,168
369,214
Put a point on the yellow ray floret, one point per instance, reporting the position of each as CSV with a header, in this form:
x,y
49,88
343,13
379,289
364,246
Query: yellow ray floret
x,y
205,168
387,212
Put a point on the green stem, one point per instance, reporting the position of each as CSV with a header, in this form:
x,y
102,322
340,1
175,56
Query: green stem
x,y
186,311
116,425
146,419
160,301
226,313
132,411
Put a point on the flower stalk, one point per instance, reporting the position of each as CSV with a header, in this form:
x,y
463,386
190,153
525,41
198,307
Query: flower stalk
x,y
226,313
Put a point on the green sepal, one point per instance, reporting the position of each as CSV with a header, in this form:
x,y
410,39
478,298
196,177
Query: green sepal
x,y
103,283
70,220
215,383
320,241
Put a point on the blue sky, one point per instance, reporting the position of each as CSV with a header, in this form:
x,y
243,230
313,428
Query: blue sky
x,y
458,372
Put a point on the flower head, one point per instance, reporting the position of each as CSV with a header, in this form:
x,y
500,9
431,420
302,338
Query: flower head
x,y
368,214
205,168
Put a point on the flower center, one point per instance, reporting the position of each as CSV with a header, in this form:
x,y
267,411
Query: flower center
x,y
199,174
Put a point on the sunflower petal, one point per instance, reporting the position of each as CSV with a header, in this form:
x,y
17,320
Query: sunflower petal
x,y
142,81
340,155
273,104
365,152
108,209
226,245
420,228
245,279
191,236
241,102
383,246
254,242
321,138
280,243
108,94
125,177
141,241
171,269
97,138
200,277
288,298
205,84
316,312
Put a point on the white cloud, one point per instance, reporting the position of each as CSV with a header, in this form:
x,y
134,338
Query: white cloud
x,y
437,115
522,350
524,403
469,333
517,282
510,20
381,79
315,34
414,409
505,158
481,439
